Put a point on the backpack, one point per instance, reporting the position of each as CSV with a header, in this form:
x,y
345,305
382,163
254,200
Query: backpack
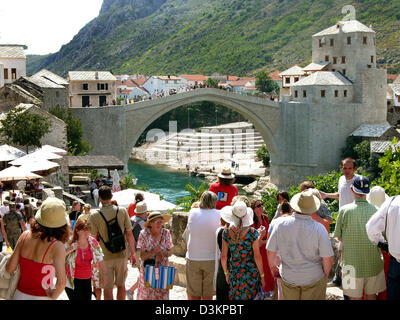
x,y
136,228
116,238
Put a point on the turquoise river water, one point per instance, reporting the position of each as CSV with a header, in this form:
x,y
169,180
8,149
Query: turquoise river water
x,y
169,183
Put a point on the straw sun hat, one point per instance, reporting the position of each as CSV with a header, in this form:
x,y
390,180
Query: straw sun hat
x,y
226,174
305,202
239,211
155,215
51,214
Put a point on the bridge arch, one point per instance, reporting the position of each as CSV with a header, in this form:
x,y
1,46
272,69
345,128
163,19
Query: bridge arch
x,y
262,113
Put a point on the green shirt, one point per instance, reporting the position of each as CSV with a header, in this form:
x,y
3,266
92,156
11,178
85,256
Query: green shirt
x,y
358,251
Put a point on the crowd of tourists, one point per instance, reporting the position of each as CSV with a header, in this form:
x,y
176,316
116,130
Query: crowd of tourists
x,y
233,251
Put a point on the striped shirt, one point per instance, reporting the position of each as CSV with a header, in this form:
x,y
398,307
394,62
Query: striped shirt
x,y
358,251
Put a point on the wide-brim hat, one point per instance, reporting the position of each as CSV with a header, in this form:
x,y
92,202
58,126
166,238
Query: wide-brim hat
x,y
305,202
155,215
239,211
141,207
226,173
51,213
377,196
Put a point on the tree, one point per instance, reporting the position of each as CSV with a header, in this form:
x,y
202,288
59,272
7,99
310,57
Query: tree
x,y
23,128
390,165
76,145
263,154
264,83
211,83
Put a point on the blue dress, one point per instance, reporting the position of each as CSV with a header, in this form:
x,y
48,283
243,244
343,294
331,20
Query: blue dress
x,y
244,278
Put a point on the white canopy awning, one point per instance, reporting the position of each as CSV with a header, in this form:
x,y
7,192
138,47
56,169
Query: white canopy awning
x,y
37,155
15,173
125,197
9,153
39,165
49,148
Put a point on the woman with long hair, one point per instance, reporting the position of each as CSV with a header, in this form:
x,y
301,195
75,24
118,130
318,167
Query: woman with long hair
x,y
40,254
261,220
84,263
155,244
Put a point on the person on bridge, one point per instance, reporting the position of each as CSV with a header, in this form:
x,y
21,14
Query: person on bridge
x,y
224,188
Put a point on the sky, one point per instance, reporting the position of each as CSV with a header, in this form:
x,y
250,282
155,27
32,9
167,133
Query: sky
x,y
44,25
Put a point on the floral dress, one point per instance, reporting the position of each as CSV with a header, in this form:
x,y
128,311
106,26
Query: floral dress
x,y
244,278
147,243
97,254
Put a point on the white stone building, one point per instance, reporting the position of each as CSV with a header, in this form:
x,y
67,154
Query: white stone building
x,y
290,77
91,88
193,80
12,63
163,84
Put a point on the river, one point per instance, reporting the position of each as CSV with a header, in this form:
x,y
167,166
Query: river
x,y
171,184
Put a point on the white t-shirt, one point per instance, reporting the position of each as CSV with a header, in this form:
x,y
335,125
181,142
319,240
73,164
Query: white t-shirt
x,y
345,194
202,225
4,209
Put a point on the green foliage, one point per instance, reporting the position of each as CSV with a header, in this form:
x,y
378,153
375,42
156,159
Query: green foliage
x,y
23,128
127,181
76,145
264,83
211,83
263,154
210,36
194,195
390,165
360,150
326,183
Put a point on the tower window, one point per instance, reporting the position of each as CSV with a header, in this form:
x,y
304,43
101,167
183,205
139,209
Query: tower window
x,y
334,60
344,71
326,58
5,73
287,80
336,93
372,59
322,93
348,40
85,86
296,79
331,42
320,43
345,93
295,93
13,73
305,94
343,59
364,40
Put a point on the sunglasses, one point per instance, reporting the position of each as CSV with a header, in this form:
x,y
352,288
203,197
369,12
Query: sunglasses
x,y
259,205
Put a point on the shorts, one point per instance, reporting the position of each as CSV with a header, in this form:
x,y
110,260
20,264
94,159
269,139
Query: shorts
x,y
116,272
200,278
354,287
313,291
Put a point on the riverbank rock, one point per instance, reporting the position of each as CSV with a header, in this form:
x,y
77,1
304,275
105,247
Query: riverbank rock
x,y
259,187
251,188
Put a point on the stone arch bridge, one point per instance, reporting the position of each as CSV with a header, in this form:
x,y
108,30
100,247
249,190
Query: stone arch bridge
x,y
291,131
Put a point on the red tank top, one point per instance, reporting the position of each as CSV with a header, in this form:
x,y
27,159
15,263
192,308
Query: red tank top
x,y
33,274
83,263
